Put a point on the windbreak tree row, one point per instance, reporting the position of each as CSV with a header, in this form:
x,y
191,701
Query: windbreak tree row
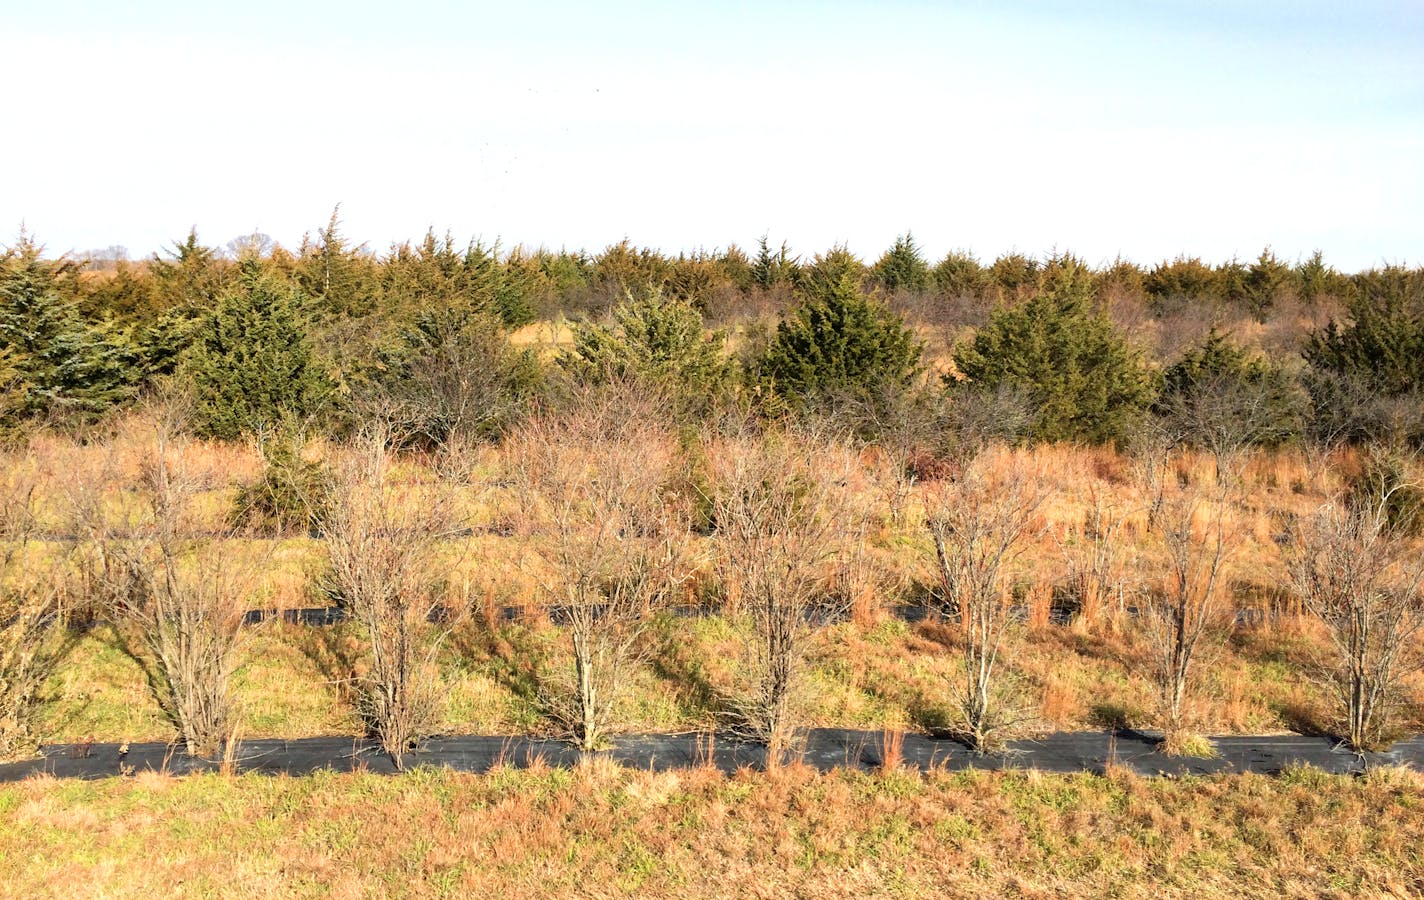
x,y
329,335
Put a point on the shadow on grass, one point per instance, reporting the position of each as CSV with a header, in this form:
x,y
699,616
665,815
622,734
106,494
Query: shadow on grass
x,y
510,653
334,652
131,646
676,661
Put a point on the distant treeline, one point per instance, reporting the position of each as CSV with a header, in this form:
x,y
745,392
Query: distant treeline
x,y
259,337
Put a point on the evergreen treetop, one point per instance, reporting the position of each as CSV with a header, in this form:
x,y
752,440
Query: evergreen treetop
x,y
655,338
903,267
1083,378
251,364
840,340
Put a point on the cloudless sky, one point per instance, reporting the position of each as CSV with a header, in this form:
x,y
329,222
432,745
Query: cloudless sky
x,y
1142,129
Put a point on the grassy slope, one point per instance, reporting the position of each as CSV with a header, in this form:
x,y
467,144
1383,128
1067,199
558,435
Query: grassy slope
x,y
876,672
599,831
886,674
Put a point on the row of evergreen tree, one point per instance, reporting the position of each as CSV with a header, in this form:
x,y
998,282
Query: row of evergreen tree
x,y
332,332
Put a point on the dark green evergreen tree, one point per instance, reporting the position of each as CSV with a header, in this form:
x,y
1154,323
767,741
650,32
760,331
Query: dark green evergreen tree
x,y
1366,375
1220,397
70,370
251,365
190,277
903,267
1015,275
1382,345
771,268
1185,281
1082,377
339,279
500,287
827,270
1266,280
960,274
652,338
839,341
1317,280
452,373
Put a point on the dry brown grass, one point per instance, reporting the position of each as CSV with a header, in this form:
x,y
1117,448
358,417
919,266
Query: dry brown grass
x,y
602,831
871,673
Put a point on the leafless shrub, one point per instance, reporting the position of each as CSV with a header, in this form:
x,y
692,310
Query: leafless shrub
x,y
1194,529
30,647
382,544
1227,415
1362,578
1152,450
979,529
781,522
181,597
609,537
31,639
924,433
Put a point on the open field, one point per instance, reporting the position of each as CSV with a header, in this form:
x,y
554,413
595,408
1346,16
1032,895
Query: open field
x,y
599,831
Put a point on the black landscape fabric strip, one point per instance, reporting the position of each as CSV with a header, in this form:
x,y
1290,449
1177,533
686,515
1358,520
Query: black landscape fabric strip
x,y
824,748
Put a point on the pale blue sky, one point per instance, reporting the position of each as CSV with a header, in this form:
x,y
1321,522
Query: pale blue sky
x,y
1146,129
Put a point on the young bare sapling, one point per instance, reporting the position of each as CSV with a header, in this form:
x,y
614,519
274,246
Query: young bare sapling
x,y
1362,579
173,588
32,626
609,538
979,528
383,539
781,524
1178,619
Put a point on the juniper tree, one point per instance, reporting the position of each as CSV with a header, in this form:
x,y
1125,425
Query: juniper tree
x,y
771,268
1223,399
452,374
959,274
903,267
338,277
652,338
252,366
1086,382
69,368
839,341
1366,375
827,271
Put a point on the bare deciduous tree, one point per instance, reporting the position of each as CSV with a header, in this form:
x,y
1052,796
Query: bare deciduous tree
x,y
1198,543
180,594
1363,580
780,526
979,529
925,433
31,642
610,539
1226,416
383,542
